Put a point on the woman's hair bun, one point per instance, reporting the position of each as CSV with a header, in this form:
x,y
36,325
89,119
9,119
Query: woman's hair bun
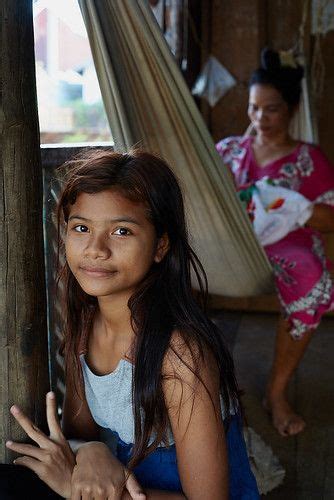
x,y
270,60
286,78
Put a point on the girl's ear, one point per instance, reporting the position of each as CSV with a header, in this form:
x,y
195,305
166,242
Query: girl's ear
x,y
162,248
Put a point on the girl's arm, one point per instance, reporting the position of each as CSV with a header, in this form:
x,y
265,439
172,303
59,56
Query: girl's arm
x,y
197,425
96,467
157,495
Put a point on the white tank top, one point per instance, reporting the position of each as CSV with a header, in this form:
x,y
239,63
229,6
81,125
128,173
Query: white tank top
x,y
109,398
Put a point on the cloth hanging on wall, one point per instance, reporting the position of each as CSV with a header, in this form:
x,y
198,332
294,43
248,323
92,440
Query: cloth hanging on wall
x,y
148,104
303,126
322,16
213,81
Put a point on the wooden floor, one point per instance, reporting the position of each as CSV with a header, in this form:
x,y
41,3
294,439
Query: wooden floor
x,y
309,457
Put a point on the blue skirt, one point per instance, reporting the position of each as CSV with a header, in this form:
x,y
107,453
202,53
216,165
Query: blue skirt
x,y
159,469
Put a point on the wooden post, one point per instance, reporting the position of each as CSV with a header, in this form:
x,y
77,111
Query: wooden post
x,y
238,34
23,334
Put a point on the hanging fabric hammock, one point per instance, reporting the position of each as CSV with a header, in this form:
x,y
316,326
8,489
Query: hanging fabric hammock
x,y
148,104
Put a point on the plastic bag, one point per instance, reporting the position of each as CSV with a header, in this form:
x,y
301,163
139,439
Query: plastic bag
x,y
213,81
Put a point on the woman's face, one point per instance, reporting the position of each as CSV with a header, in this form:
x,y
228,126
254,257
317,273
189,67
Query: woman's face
x,y
268,111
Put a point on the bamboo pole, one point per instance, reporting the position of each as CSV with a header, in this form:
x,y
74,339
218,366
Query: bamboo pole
x,y
23,333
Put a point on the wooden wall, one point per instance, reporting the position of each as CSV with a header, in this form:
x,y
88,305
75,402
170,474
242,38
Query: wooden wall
x,y
326,103
235,31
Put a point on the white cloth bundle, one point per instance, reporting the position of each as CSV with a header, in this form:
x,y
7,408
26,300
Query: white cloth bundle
x,y
278,211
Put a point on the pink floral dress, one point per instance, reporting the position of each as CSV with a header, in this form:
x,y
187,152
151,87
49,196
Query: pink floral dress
x,y
300,267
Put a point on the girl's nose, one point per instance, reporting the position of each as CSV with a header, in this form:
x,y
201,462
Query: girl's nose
x,y
97,248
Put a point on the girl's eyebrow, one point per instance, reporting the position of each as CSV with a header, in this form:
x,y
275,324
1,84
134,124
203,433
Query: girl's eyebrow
x,y
116,219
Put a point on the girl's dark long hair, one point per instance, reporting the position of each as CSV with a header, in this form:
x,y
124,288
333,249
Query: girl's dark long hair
x,y
163,303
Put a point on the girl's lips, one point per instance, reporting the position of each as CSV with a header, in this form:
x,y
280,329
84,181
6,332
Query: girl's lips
x,y
97,272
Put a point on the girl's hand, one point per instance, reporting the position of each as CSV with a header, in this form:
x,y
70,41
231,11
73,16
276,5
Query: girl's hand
x,y
99,475
52,460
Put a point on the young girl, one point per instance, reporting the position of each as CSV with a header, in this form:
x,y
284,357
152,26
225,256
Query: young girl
x,y
150,386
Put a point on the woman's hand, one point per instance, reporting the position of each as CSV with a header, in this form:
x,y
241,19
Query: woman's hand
x,y
52,460
322,218
99,475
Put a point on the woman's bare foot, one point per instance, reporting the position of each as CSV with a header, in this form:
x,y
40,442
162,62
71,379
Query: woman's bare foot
x,y
284,419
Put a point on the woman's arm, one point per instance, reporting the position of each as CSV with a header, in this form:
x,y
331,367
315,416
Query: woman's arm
x,y
319,188
322,218
197,425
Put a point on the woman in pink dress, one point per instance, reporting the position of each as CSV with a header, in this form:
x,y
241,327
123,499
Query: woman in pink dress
x,y
301,270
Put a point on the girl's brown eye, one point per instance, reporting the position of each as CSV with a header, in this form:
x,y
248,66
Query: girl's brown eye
x,y
81,228
122,231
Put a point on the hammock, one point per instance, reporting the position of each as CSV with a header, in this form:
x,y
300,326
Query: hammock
x,y
148,104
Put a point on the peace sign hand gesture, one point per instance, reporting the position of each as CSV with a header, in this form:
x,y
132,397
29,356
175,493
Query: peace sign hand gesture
x,y
52,460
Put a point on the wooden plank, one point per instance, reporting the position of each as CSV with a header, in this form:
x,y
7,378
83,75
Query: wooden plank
x,y
314,398
283,21
308,458
325,103
253,352
261,303
238,34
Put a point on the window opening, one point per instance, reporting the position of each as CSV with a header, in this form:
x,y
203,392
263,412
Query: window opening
x,y
69,99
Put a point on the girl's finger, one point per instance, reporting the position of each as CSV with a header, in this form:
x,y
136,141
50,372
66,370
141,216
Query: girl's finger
x,y
117,495
87,496
30,463
135,490
75,490
33,432
26,449
52,417
75,495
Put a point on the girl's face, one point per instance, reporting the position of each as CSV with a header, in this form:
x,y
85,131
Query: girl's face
x,y
110,244
268,111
